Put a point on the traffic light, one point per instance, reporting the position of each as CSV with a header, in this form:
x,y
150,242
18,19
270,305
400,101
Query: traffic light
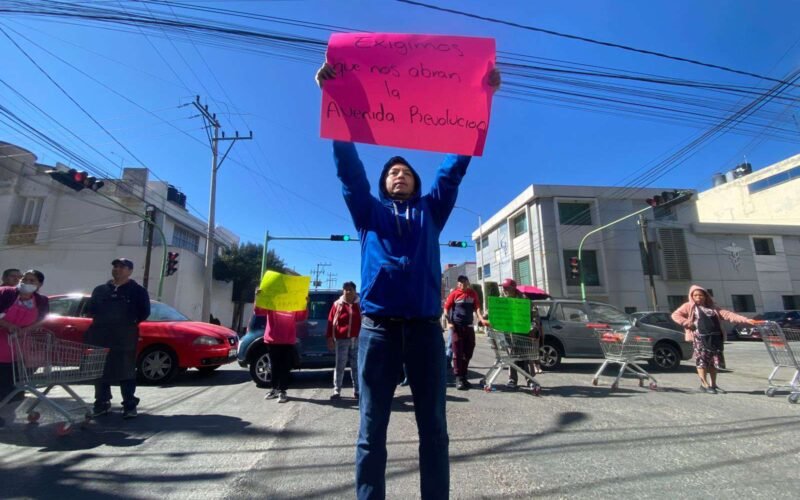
x,y
340,237
458,244
75,180
172,263
668,198
574,267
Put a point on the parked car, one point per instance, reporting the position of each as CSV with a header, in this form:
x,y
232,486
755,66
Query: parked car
x,y
169,342
569,334
312,346
784,319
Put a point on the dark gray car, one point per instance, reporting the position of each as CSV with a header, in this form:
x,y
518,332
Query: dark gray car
x,y
567,325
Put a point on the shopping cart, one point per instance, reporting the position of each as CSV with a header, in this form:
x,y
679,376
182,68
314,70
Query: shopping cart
x,y
625,348
42,361
512,350
783,346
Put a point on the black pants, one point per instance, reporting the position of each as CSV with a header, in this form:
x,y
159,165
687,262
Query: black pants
x,y
281,358
6,379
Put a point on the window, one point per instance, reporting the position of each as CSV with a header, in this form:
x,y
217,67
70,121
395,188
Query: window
x,y
183,238
591,276
522,271
477,244
675,301
31,211
652,248
608,314
630,310
569,312
64,306
487,270
480,274
520,225
743,303
774,180
763,246
676,258
574,214
485,242
791,301
163,312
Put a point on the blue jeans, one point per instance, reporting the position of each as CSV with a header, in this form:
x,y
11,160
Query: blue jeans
x,y
346,350
102,394
384,345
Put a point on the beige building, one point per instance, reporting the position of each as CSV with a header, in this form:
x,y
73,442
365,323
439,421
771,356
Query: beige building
x,y
740,239
72,237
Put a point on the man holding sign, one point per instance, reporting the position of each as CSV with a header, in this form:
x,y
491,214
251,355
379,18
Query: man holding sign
x,y
400,302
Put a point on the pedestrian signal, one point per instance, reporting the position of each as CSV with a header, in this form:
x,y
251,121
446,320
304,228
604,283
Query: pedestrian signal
x,y
172,263
574,267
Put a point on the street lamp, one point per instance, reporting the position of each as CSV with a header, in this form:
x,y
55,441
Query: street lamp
x,y
481,279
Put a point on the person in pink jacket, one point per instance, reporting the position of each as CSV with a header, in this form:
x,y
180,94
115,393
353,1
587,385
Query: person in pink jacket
x,y
280,336
701,319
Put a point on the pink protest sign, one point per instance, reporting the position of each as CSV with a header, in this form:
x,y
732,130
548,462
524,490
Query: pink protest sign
x,y
414,91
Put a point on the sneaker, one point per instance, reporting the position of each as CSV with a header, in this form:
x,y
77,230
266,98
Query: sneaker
x,y
282,397
101,409
467,384
460,385
272,394
131,413
511,384
336,394
706,389
717,390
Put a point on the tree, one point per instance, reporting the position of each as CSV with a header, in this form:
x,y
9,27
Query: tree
x,y
242,266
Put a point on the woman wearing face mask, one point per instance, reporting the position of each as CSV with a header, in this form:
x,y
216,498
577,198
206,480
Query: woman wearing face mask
x,y
22,309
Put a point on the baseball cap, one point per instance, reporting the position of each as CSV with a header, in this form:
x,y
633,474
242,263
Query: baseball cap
x,y
509,283
462,279
123,262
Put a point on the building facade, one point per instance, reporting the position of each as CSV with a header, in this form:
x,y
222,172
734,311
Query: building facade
x,y
740,239
72,237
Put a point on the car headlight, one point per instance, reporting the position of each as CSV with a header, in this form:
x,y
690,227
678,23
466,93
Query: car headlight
x,y
207,341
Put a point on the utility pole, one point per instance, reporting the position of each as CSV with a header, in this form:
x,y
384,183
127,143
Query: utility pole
x,y
150,212
317,273
648,261
210,119
332,279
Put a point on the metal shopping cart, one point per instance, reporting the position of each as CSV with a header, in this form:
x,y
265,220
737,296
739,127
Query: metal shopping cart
x,y
43,361
512,350
783,346
625,348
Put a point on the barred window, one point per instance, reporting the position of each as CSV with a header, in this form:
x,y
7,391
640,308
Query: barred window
x,y
676,258
183,238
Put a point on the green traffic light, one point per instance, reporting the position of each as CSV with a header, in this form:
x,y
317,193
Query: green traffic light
x,y
463,244
346,237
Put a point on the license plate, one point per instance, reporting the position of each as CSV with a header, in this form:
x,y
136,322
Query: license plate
x,y
232,352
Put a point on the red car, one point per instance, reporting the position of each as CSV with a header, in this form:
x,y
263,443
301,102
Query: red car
x,y
169,342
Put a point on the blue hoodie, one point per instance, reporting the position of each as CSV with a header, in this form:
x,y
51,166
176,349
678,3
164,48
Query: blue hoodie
x,y
400,268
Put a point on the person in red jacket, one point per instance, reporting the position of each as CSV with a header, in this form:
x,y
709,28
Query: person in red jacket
x,y
344,323
459,308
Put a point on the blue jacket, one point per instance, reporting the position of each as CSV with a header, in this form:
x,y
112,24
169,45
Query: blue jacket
x,y
400,268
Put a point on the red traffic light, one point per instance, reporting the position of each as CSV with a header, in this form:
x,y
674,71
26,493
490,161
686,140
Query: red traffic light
x,y
172,263
79,177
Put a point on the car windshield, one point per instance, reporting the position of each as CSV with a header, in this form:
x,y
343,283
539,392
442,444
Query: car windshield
x,y
163,312
544,308
773,315
608,314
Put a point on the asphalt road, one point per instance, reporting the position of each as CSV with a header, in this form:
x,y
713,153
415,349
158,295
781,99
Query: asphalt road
x,y
216,437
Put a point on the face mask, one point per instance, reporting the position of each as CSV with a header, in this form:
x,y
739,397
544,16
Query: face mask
x,y
26,288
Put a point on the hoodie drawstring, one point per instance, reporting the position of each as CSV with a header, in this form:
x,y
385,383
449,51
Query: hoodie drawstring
x,y
397,219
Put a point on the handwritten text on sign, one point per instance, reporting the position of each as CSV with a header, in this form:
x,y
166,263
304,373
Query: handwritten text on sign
x,y
414,91
280,292
510,315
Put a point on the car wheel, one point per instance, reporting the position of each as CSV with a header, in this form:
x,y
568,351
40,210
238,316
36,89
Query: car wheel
x,y
666,357
549,356
157,365
206,370
261,369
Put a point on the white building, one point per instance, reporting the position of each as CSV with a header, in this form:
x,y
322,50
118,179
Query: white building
x,y
740,239
72,237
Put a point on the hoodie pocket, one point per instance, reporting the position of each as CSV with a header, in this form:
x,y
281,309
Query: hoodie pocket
x,y
379,289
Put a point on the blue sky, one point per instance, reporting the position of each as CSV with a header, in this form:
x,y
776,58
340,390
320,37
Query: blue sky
x,y
284,180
